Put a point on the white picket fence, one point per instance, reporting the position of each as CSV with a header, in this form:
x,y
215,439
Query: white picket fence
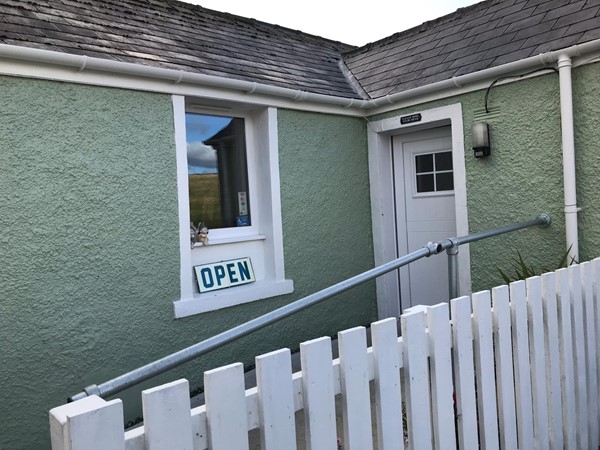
x,y
513,368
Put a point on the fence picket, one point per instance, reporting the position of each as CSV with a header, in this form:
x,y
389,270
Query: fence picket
x,y
442,388
276,400
567,361
590,347
464,373
537,356
354,379
484,365
318,389
388,392
226,415
520,335
416,377
90,423
167,420
579,351
550,311
505,386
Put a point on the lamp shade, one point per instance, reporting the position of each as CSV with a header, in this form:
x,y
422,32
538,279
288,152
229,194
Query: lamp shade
x,y
480,132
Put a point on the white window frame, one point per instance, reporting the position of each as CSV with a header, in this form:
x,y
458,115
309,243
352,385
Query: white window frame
x,y
263,238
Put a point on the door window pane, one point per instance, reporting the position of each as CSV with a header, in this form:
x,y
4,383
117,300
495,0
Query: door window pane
x,y
444,181
424,163
425,183
443,161
217,171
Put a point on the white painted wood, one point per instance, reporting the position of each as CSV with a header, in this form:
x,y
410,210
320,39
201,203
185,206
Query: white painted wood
x,y
590,352
318,390
354,379
537,357
167,420
382,200
579,353
87,424
505,387
484,369
276,400
421,218
580,359
551,336
442,388
520,337
596,315
416,377
135,439
262,241
464,373
567,359
388,391
226,408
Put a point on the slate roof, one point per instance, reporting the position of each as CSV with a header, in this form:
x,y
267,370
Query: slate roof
x,y
484,35
176,35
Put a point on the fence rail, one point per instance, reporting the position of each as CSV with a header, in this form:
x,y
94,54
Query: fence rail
x,y
514,367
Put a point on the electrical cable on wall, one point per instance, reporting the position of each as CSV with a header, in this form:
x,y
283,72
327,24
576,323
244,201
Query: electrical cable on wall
x,y
497,80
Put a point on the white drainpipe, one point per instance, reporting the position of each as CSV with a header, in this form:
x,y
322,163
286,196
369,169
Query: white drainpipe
x,y
568,151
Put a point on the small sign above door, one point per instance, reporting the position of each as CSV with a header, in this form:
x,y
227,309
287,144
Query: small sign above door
x,y
410,119
224,274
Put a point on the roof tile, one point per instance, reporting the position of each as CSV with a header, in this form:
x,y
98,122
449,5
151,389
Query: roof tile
x,y
580,16
527,22
586,25
519,16
509,10
547,36
565,10
558,43
535,30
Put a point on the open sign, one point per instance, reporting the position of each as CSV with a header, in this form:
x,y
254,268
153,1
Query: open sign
x,y
224,274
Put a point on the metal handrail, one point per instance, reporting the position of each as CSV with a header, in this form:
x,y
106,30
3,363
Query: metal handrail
x,y
182,356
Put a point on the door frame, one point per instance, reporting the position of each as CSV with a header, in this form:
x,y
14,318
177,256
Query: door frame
x,y
383,215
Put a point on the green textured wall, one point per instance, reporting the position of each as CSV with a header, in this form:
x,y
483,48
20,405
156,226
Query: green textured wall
x,y
89,259
523,176
586,104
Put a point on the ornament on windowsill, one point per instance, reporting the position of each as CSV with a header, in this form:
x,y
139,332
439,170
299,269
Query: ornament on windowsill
x,y
198,234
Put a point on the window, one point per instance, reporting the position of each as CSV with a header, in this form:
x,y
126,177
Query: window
x,y
433,172
217,171
228,178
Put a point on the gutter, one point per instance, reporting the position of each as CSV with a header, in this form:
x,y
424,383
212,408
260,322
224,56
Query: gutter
x,y
86,63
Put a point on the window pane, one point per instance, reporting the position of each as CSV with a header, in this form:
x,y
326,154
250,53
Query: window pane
x,y
424,163
217,170
444,181
443,161
425,183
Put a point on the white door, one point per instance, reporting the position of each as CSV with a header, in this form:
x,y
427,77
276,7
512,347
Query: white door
x,y
425,211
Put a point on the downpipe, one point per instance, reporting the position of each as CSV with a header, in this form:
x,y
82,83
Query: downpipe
x,y
568,152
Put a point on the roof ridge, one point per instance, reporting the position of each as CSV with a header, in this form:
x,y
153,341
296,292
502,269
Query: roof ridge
x,y
460,12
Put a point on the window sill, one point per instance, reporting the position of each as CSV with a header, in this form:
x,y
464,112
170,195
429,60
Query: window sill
x,y
211,301
232,240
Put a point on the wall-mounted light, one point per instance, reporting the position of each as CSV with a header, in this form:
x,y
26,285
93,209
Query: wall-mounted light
x,y
480,133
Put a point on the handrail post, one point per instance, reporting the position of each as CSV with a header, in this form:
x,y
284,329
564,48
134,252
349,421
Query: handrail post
x,y
453,286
